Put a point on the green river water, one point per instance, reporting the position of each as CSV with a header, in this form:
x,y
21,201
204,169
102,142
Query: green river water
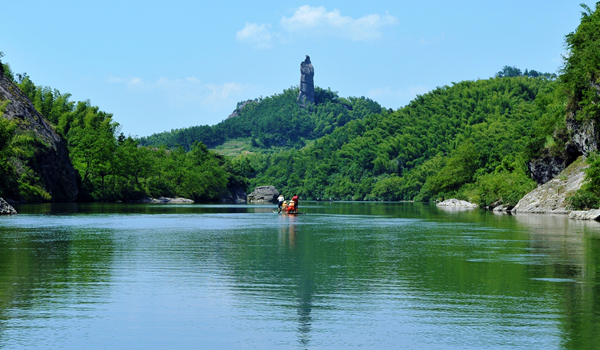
x,y
342,276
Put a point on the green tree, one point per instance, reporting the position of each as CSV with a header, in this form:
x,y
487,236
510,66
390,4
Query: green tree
x,y
7,170
460,169
92,145
581,72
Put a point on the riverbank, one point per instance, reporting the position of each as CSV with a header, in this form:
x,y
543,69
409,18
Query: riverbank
x,y
552,197
5,208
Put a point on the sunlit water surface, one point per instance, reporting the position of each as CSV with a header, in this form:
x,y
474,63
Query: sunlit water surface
x,y
342,276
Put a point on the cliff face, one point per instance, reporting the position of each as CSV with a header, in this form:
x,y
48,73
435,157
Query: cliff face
x,y
547,166
585,134
550,198
51,160
307,85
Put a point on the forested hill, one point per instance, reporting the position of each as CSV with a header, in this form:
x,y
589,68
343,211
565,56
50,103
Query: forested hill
x,y
468,140
273,121
54,149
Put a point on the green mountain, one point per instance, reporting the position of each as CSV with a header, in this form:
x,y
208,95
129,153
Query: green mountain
x,y
275,121
476,140
468,140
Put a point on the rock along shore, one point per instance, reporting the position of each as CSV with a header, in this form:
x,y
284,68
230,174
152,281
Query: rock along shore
x,y
177,200
5,208
457,203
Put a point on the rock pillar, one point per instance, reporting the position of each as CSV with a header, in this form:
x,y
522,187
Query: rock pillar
x,y
307,85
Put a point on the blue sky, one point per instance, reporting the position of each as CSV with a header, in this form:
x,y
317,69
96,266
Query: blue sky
x,y
162,65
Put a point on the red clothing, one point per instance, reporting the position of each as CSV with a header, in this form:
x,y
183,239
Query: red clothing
x,y
295,200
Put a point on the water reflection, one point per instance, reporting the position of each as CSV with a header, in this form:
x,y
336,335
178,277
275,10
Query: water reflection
x,y
571,270
40,267
305,286
373,275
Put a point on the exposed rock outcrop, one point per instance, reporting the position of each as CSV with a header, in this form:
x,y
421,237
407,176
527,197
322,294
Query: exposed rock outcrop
x,y
550,198
6,209
52,163
236,195
307,85
240,107
502,208
585,215
546,167
165,200
263,194
584,133
457,203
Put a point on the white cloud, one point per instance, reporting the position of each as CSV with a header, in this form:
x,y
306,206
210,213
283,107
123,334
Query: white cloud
x,y
308,21
318,22
224,91
256,35
189,91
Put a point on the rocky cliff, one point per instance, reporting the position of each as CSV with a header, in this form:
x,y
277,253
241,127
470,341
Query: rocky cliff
x,y
51,161
263,194
547,166
550,197
585,134
5,208
307,85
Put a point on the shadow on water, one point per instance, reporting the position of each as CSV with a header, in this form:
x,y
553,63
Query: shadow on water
x,y
128,208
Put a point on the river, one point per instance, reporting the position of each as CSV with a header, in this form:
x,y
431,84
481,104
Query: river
x,y
342,276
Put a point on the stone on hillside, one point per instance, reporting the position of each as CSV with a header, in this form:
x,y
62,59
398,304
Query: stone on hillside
x,y
5,208
263,194
240,107
307,85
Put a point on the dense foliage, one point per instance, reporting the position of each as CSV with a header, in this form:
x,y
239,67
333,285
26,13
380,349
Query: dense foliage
x,y
275,121
580,86
512,71
7,171
580,76
110,165
469,140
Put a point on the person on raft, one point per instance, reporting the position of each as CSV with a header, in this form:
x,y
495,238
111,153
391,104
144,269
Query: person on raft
x,y
280,201
291,208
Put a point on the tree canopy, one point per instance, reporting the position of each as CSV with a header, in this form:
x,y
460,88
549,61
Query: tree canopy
x,y
274,121
468,140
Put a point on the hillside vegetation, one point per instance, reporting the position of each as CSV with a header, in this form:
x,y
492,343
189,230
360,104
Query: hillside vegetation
x,y
467,140
472,140
274,121
110,166
580,92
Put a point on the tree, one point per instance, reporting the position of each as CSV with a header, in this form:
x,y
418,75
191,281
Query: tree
x,y
459,170
581,72
508,71
92,144
7,170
